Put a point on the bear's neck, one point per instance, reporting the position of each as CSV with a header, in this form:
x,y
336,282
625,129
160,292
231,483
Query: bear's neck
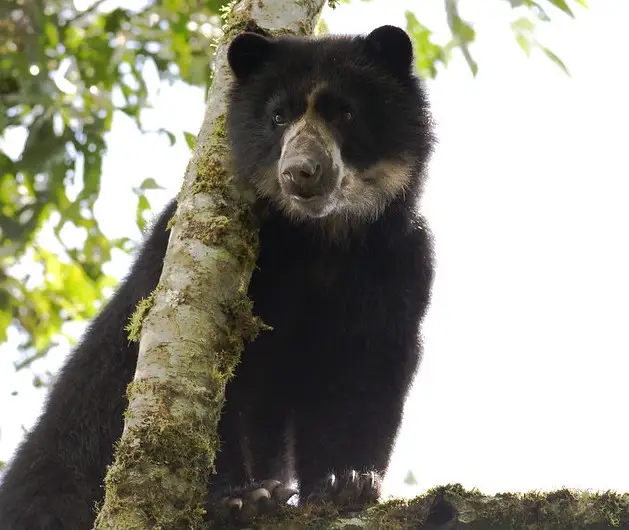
x,y
276,227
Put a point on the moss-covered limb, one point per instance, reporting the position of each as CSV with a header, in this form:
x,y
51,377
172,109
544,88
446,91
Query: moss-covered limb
x,y
454,508
192,329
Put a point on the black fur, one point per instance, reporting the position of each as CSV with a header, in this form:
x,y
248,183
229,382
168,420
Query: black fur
x,y
333,374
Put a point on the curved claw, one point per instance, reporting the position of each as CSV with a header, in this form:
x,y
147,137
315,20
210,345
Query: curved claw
x,y
260,493
270,484
234,503
283,495
244,504
351,489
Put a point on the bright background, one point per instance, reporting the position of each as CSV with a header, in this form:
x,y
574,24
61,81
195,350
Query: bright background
x,y
523,383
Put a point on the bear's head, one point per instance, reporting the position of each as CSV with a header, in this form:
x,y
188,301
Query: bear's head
x,y
333,128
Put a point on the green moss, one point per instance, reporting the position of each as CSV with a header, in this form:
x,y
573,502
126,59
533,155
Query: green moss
x,y
219,224
241,321
171,222
208,233
211,176
134,325
170,453
226,10
235,23
220,128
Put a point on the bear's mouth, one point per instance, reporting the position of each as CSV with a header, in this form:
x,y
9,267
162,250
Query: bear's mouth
x,y
315,206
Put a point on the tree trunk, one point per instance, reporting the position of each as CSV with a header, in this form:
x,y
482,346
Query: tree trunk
x,y
193,327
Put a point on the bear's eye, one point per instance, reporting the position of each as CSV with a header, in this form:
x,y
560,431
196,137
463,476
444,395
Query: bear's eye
x,y
279,119
347,116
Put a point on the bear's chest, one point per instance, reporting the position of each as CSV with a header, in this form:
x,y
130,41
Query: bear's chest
x,y
322,277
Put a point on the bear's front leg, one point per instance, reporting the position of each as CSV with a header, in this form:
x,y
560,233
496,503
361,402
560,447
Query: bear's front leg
x,y
344,440
253,468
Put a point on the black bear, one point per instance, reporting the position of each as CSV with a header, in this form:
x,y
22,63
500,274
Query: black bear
x,y
334,134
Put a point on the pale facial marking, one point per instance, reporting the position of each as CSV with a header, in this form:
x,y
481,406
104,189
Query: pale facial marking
x,y
310,136
307,132
310,128
366,193
354,195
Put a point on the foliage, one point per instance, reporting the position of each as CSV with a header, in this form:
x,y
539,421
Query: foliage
x,y
64,72
63,75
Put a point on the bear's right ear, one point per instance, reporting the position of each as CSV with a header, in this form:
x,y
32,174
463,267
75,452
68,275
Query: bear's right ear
x,y
393,48
247,52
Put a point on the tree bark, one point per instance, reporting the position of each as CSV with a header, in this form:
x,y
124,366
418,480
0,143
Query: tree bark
x,y
193,327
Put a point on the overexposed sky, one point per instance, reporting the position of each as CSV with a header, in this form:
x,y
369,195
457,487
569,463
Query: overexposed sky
x,y
524,379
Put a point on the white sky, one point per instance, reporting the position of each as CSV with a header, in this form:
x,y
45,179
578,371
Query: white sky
x,y
523,383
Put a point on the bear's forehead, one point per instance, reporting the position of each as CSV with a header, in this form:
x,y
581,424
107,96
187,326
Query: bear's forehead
x,y
338,66
319,90
323,58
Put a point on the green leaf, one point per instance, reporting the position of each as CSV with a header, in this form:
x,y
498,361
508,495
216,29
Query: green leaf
x,y
524,29
463,30
321,28
171,137
427,53
410,479
191,139
473,65
143,205
539,11
524,43
51,34
150,184
561,4
114,20
5,321
555,59
523,24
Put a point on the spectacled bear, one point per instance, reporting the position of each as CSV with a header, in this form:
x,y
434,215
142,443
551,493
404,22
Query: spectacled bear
x,y
334,134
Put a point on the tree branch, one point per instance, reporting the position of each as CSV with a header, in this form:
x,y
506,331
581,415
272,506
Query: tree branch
x,y
454,508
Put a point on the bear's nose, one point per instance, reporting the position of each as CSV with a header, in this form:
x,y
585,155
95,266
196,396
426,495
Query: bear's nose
x,y
301,169
304,175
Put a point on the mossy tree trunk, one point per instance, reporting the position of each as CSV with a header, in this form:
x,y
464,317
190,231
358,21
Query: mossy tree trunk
x,y
193,327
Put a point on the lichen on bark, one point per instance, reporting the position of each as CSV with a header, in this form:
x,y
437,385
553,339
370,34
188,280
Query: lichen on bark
x,y
193,327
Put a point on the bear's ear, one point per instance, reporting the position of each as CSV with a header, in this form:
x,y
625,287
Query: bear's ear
x,y
393,49
247,52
